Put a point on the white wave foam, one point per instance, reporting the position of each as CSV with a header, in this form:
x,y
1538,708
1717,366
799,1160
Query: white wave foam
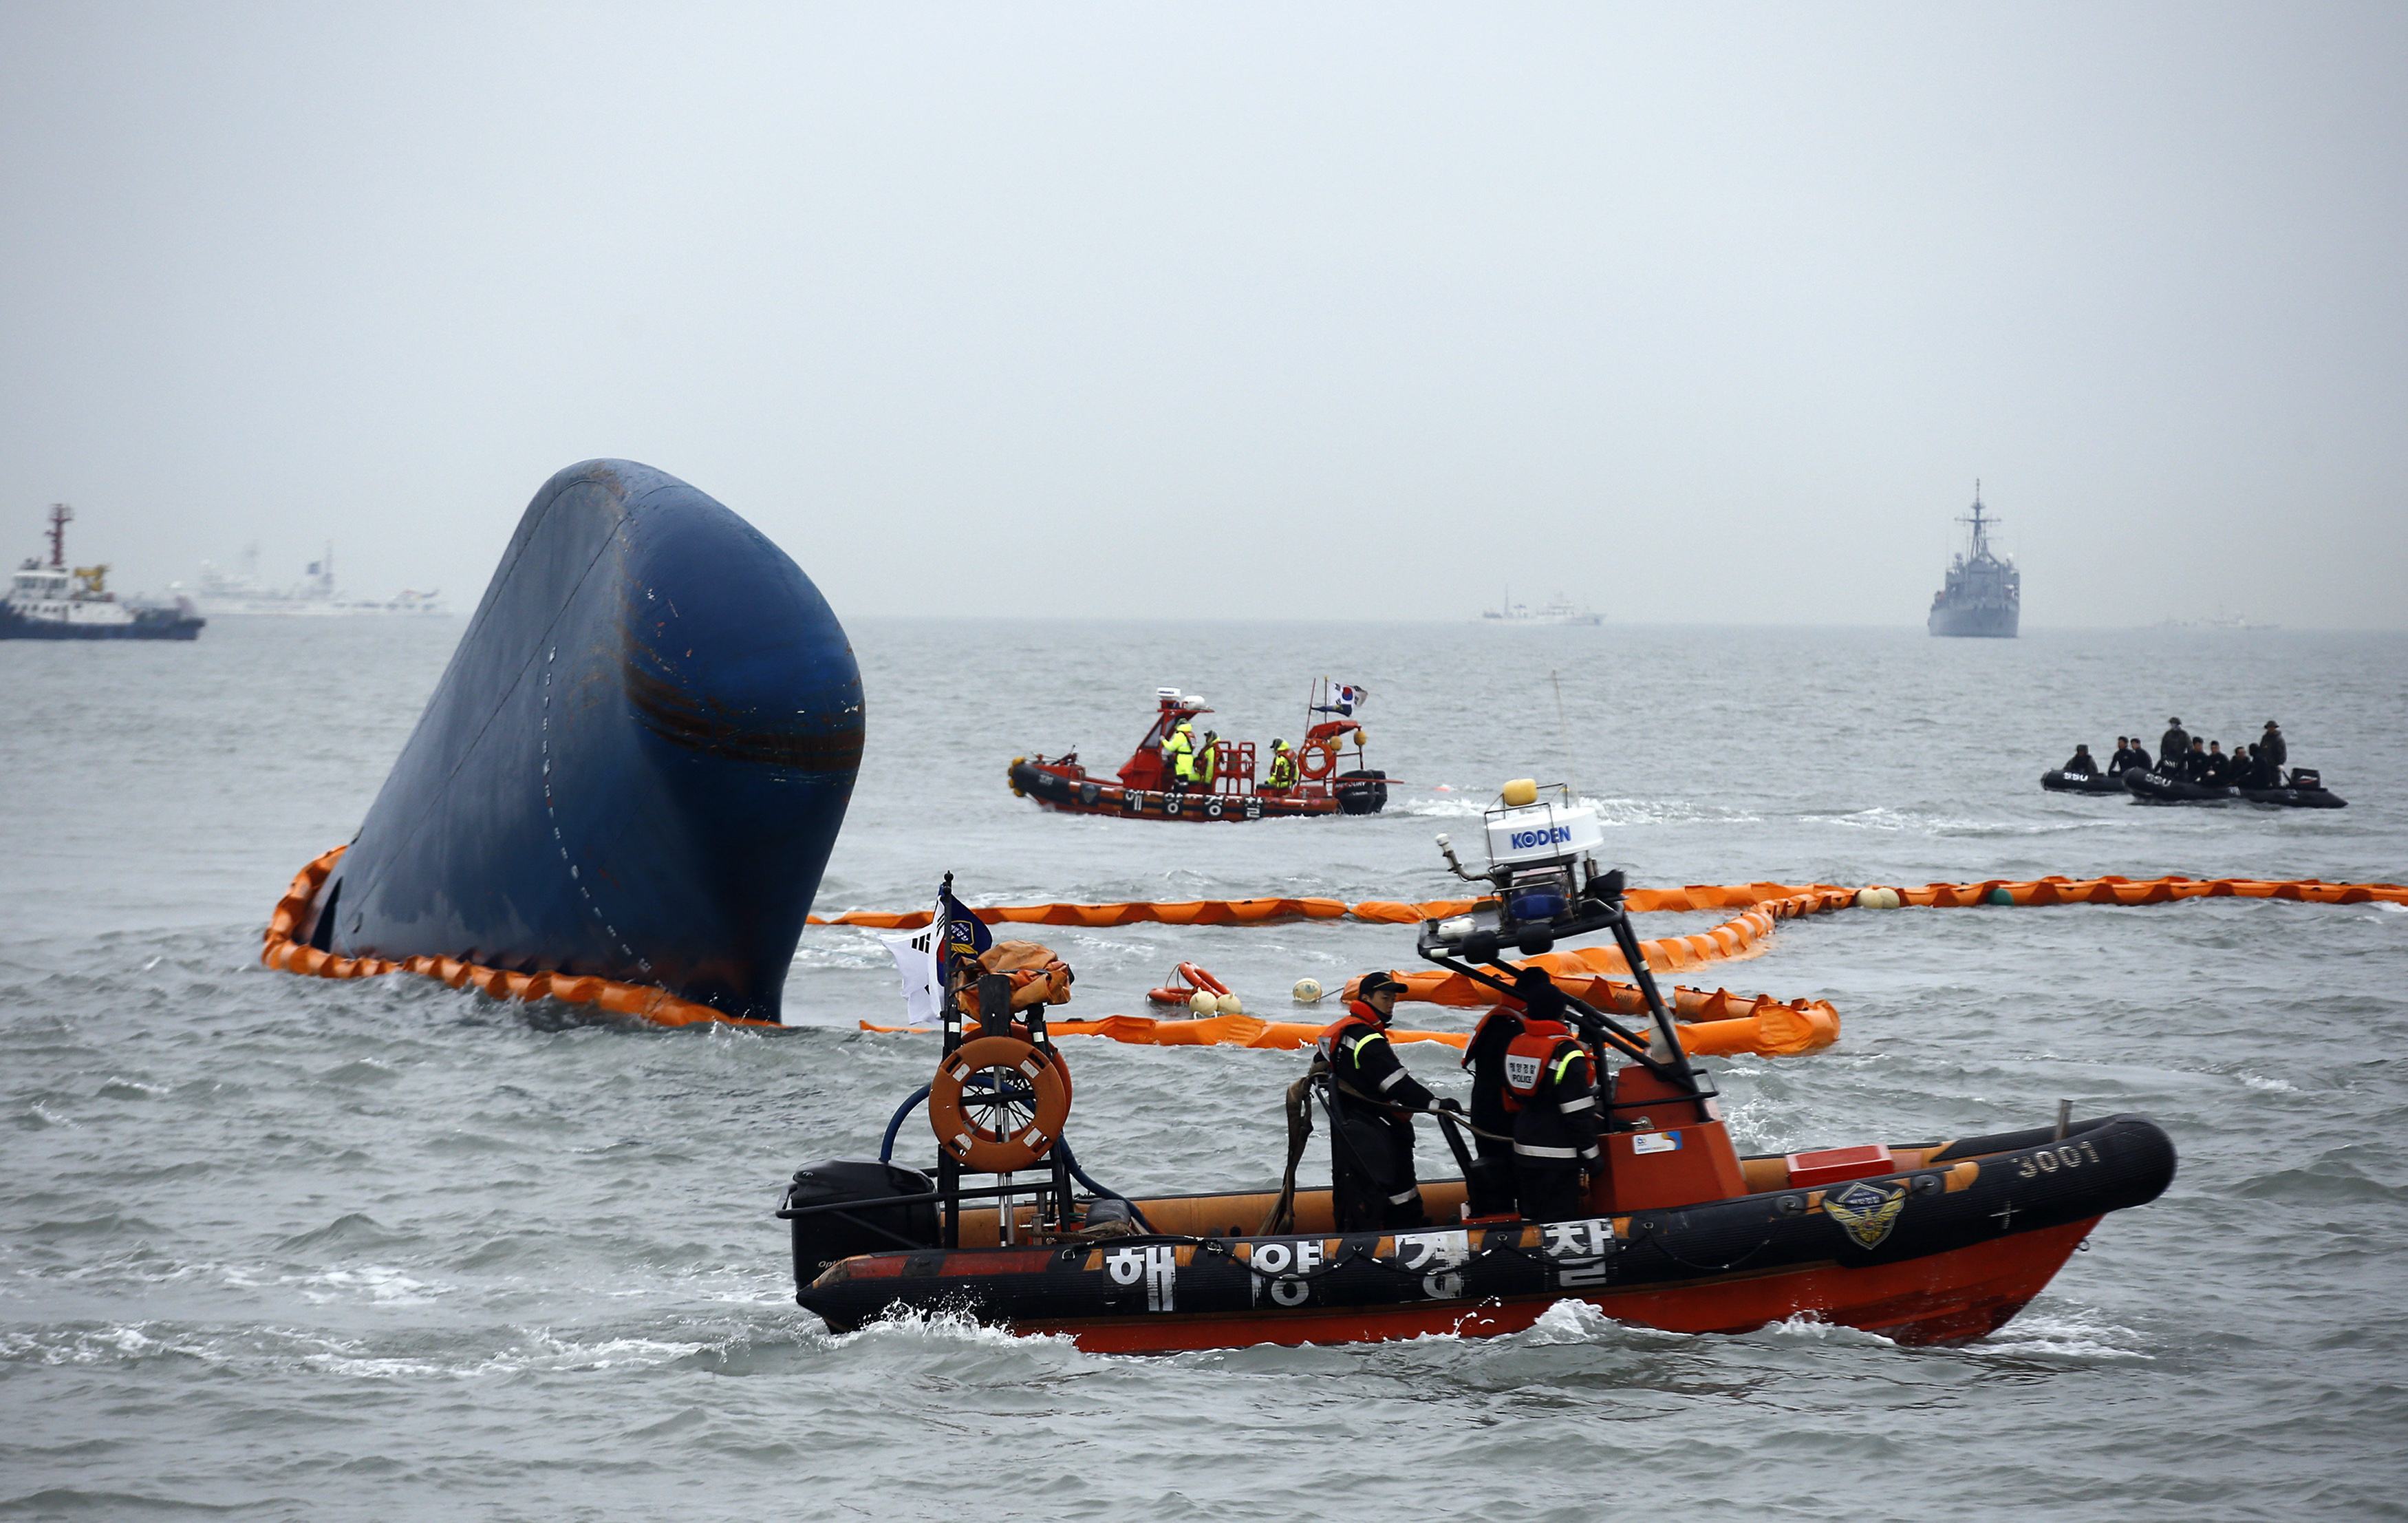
x,y
376,1282
2270,1086
1812,1328
2077,1334
1571,1321
914,1326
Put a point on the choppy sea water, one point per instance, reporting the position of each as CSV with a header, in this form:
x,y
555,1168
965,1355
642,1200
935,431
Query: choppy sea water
x,y
274,1247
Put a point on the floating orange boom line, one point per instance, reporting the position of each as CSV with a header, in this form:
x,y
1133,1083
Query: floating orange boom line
x,y
1715,1023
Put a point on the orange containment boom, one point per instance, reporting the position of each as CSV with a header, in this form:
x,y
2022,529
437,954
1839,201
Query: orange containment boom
x,y
1714,1023
281,950
1768,1029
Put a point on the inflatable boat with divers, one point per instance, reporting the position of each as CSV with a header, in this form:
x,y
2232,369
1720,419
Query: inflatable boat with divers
x,y
1323,774
2305,790
1924,1242
2063,781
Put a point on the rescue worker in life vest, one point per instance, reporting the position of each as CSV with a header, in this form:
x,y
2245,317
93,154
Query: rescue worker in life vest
x,y
1371,1152
1179,755
1207,759
1489,1188
1551,1087
1282,775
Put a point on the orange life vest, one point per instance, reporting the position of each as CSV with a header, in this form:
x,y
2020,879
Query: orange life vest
x,y
1357,1013
1528,1057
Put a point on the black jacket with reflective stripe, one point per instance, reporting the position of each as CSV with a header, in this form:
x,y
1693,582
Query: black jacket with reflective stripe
x,y
1569,1079
1365,1060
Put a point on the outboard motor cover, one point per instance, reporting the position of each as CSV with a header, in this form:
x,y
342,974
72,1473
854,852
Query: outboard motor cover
x,y
1361,793
824,1237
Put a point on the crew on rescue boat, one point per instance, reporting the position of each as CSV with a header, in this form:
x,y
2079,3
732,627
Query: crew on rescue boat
x,y
2080,763
1371,1152
1282,775
1551,1088
1488,1189
1179,755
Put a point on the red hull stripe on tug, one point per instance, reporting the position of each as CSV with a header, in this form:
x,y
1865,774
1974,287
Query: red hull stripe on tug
x,y
1945,1297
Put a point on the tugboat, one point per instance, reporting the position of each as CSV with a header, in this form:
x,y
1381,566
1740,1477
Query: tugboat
x,y
1924,1242
52,601
1984,593
1329,777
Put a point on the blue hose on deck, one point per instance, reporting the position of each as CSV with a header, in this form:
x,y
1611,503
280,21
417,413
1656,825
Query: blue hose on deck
x,y
1071,1159
886,1148
886,1155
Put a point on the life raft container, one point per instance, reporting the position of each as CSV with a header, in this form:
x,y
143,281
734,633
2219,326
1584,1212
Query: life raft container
x,y
1945,1244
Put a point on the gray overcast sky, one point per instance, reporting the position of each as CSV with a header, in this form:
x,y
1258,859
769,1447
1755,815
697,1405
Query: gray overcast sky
x,y
1696,313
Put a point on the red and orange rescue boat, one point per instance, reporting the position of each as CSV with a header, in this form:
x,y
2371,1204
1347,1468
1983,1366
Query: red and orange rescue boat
x,y
1929,1241
1330,775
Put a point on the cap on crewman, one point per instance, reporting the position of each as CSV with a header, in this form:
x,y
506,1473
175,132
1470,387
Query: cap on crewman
x,y
1372,983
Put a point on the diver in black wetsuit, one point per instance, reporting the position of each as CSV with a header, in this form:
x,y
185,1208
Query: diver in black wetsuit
x,y
2219,766
2263,770
2080,763
2194,762
2173,748
2276,751
2139,755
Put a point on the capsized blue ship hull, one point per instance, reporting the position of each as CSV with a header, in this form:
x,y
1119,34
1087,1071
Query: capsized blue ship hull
x,y
635,765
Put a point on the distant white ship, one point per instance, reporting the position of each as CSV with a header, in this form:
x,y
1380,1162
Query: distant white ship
x,y
2222,621
1561,611
222,591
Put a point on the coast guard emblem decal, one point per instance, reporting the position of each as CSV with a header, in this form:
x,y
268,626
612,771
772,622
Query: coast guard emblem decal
x,y
1866,1210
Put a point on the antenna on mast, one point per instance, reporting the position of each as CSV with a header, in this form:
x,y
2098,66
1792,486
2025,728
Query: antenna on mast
x,y
61,515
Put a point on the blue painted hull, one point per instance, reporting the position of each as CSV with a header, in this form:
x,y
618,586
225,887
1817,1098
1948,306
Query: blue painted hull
x,y
146,625
635,765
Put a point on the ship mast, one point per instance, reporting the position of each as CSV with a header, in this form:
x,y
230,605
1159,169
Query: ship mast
x,y
1980,526
60,516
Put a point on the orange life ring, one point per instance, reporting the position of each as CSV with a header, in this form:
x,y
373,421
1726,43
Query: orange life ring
x,y
1177,993
1318,760
1019,1112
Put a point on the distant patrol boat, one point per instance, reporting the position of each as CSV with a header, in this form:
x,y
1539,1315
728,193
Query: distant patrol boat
x,y
1561,611
1984,593
53,601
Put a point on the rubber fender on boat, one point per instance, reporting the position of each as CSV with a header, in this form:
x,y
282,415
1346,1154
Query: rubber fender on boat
x,y
988,1149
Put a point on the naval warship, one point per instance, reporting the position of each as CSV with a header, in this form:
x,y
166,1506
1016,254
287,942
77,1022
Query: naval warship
x,y
1983,594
